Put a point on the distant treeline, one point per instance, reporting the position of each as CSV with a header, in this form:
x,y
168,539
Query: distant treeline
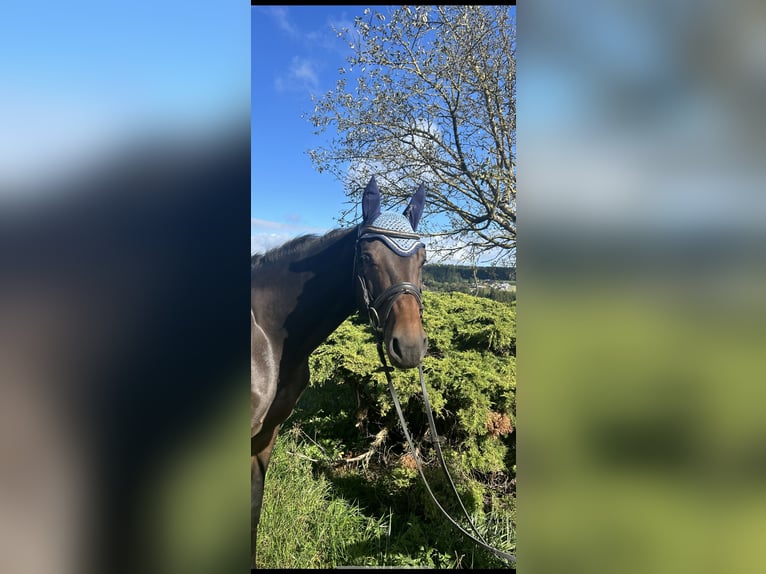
x,y
438,273
450,278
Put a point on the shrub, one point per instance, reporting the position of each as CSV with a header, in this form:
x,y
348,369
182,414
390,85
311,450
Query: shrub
x,y
347,415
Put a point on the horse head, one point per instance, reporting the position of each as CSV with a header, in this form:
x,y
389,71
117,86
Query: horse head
x,y
389,260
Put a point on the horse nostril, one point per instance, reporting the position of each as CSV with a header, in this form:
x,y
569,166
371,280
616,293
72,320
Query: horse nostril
x,y
395,347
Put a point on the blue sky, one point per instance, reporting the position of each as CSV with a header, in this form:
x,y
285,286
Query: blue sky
x,y
295,53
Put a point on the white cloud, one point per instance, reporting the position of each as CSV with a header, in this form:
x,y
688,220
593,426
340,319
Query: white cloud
x,y
262,242
282,18
301,75
265,234
303,70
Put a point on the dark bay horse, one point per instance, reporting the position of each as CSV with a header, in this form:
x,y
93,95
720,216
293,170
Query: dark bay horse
x,y
301,292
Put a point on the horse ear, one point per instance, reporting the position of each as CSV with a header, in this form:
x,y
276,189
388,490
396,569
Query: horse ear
x,y
370,202
415,208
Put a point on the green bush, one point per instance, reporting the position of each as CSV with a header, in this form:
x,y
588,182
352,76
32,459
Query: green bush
x,y
470,373
346,423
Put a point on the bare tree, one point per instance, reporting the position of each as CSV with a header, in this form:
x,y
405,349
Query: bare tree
x,y
434,101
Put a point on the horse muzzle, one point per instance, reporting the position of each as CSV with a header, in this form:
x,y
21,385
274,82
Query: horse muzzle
x,y
406,342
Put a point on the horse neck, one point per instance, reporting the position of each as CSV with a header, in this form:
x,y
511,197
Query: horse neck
x,y
325,298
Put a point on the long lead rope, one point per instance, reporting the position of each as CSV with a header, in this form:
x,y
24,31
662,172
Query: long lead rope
x,y
377,321
480,540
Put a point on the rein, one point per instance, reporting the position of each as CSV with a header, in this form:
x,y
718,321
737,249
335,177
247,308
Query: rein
x,y
378,310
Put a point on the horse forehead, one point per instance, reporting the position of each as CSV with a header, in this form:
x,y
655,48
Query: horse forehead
x,y
391,263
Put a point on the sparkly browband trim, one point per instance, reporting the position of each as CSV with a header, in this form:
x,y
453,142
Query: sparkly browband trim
x,y
381,231
398,249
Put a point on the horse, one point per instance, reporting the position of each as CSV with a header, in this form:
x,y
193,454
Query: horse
x,y
302,291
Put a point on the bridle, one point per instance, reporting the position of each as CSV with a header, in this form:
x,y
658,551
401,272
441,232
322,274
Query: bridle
x,y
378,310
379,307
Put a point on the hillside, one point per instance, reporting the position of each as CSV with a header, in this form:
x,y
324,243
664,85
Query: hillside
x,y
497,283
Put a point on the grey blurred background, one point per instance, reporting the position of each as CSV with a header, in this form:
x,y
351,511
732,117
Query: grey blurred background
x,y
641,276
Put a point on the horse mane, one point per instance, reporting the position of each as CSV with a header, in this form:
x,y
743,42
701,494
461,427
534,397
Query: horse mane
x,y
298,248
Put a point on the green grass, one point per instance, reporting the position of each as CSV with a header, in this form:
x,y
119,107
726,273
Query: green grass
x,y
302,524
313,518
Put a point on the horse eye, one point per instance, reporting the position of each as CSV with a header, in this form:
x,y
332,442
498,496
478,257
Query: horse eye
x,y
365,258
